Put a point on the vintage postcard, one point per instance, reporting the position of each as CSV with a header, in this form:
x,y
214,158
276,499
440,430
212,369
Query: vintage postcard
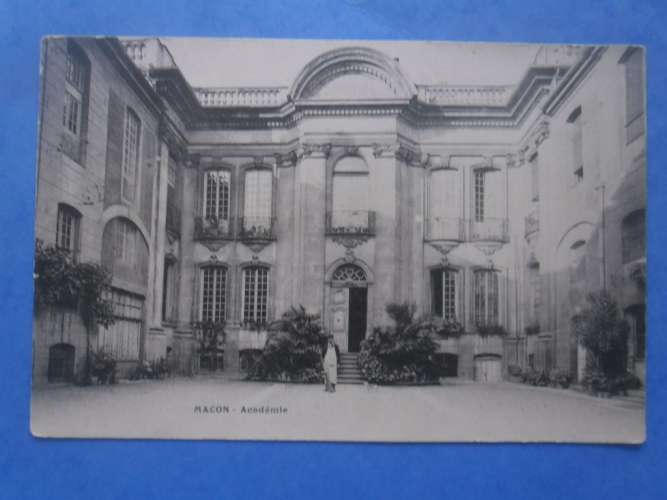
x,y
340,241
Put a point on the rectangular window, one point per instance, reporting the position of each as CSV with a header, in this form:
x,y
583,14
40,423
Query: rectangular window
x,y
255,294
258,191
130,164
449,294
216,195
213,297
71,113
168,291
125,242
486,298
74,113
479,195
634,94
67,229
633,236
577,134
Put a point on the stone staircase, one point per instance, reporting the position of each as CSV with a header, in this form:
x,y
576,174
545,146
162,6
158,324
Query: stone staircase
x,y
348,371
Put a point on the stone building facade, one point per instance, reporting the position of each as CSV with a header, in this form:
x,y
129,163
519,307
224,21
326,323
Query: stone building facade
x,y
349,188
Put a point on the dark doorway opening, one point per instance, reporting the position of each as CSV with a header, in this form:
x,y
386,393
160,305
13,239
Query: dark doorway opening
x,y
356,329
61,363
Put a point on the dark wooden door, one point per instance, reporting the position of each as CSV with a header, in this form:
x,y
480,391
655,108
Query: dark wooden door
x,y
61,363
356,329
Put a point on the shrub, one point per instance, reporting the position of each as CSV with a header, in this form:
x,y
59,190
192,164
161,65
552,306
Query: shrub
x,y
404,353
103,367
293,349
560,378
535,377
604,334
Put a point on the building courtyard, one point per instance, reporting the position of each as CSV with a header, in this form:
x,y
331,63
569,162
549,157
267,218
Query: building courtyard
x,y
218,408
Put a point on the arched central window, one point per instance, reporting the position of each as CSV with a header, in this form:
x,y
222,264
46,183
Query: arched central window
x,y
350,195
349,273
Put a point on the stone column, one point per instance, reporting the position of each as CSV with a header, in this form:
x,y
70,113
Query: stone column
x,y
310,213
187,265
283,284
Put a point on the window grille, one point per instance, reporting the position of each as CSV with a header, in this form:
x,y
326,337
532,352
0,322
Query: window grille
x,y
479,195
216,194
214,288
130,155
349,272
486,298
255,294
67,228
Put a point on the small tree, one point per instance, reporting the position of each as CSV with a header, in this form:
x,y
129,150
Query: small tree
x,y
604,335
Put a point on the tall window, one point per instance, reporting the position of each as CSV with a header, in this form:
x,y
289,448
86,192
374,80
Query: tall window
x,y
213,293
169,290
636,317
634,94
350,195
444,285
485,289
258,194
255,294
125,247
67,229
577,134
130,164
535,177
74,102
478,194
216,195
633,236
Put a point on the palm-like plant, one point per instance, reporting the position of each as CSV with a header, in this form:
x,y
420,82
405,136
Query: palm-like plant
x,y
293,348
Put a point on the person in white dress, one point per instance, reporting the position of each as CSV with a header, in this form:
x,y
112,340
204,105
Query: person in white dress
x,y
330,367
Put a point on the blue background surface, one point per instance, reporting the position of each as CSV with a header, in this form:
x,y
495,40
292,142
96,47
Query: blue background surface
x,y
32,468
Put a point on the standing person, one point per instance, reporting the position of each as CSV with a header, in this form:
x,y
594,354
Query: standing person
x,y
331,367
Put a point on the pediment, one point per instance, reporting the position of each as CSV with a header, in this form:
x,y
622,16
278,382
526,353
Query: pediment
x,y
354,87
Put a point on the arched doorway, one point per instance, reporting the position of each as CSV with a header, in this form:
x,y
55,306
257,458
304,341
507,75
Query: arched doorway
x,y
61,363
349,306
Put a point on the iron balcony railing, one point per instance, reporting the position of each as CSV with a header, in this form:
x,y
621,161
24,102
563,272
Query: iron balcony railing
x,y
207,228
445,229
489,229
350,222
256,228
531,224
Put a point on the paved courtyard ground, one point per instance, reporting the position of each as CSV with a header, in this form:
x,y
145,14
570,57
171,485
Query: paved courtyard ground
x,y
214,408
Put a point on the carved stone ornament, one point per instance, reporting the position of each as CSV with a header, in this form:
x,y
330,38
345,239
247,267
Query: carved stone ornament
x,y
444,247
289,159
214,258
258,161
489,248
388,149
192,160
350,242
214,245
257,246
349,255
541,133
309,149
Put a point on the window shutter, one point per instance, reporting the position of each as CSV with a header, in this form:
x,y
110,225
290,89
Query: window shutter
x,y
147,172
115,122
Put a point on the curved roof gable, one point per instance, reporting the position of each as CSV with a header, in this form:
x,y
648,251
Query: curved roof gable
x,y
347,61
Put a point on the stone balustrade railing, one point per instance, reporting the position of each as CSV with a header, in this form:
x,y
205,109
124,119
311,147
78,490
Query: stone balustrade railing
x,y
241,96
443,95
148,52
